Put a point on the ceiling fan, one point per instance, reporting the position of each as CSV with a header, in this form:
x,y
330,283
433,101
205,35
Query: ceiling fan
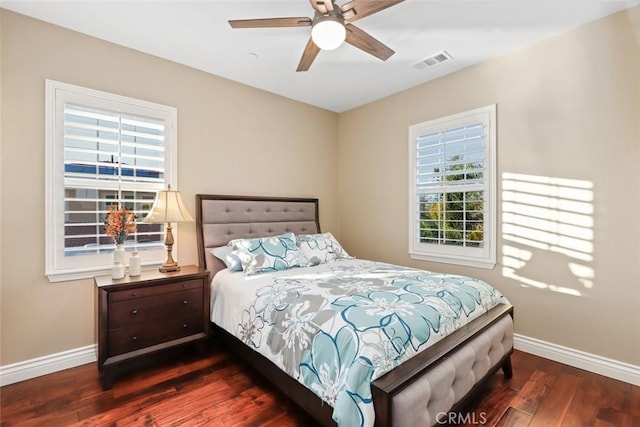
x,y
330,26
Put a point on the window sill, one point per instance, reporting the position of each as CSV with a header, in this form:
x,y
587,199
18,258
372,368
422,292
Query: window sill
x,y
90,273
467,262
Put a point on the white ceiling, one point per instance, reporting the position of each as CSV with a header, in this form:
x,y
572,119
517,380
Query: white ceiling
x,y
196,33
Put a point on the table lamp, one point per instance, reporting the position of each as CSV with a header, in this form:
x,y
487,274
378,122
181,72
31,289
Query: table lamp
x,y
167,208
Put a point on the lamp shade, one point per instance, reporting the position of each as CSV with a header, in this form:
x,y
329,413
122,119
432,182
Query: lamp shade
x,y
328,32
168,207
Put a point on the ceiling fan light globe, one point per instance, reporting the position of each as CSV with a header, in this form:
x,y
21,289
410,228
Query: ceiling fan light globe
x,y
328,34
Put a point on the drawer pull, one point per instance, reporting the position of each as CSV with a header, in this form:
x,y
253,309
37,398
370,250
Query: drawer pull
x,y
185,302
134,311
184,326
134,338
134,294
184,285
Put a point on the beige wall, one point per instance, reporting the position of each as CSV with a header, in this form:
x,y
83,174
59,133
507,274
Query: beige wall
x,y
568,107
232,140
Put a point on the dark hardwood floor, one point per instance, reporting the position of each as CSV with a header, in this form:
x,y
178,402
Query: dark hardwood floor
x,y
183,389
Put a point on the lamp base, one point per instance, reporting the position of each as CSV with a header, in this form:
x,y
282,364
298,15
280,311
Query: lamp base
x,y
169,268
169,264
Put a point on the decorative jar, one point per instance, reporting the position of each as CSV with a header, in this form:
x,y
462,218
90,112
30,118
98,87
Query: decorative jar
x,y
134,264
117,271
119,255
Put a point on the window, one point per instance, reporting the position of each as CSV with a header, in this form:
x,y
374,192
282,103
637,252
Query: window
x,y
453,189
102,149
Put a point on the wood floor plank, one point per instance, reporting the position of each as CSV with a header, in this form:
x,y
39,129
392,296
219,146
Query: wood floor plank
x,y
587,401
634,404
556,402
218,390
514,417
532,393
145,379
494,402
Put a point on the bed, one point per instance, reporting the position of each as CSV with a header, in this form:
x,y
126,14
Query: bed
x,y
424,389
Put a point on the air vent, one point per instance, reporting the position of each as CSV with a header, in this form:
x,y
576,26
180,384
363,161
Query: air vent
x,y
432,60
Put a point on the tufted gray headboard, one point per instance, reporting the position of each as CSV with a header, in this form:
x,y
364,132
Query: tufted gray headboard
x,y
220,219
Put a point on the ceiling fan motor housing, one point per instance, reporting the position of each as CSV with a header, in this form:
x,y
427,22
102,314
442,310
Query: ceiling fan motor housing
x,y
327,30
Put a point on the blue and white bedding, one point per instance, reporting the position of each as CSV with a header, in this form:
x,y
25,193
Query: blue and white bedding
x,y
337,326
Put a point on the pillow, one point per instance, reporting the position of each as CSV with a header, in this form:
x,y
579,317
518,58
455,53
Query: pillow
x,y
266,254
227,255
321,248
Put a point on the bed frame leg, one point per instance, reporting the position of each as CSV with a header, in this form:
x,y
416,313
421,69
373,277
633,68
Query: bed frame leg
x,y
507,368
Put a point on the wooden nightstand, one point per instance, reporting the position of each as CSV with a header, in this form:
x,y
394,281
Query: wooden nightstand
x,y
155,311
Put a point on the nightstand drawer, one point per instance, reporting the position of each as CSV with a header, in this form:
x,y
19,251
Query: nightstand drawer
x,y
151,333
147,291
156,307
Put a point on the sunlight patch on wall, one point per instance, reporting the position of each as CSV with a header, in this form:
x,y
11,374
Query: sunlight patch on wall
x,y
547,227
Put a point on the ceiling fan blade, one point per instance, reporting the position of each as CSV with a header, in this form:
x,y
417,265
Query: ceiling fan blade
x,y
358,9
363,41
322,6
271,22
308,56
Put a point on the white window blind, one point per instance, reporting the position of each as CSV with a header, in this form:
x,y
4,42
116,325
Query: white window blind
x,y
102,149
452,189
110,158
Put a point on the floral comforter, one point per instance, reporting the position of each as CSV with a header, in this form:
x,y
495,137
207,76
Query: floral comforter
x,y
338,326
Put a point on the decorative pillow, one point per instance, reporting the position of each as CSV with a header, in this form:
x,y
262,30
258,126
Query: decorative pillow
x,y
321,248
227,255
268,253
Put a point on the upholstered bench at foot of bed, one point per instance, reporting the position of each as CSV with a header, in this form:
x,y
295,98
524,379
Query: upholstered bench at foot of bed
x,y
429,399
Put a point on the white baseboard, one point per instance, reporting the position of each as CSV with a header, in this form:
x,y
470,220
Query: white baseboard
x,y
590,362
579,359
32,368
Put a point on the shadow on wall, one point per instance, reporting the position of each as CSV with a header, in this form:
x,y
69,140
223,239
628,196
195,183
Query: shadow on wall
x,y
547,230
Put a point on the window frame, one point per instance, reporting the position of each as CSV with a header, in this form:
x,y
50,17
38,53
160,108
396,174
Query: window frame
x,y
484,257
58,267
